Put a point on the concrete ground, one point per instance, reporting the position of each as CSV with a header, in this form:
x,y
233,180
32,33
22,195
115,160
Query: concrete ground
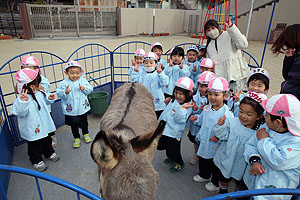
x,y
76,165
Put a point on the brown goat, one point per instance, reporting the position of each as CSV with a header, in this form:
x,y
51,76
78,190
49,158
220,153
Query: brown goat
x,y
126,145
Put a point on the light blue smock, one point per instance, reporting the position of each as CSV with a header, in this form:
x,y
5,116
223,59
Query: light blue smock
x,y
163,62
280,155
176,118
75,103
207,119
229,157
46,85
154,82
193,75
198,99
235,106
34,124
131,69
174,73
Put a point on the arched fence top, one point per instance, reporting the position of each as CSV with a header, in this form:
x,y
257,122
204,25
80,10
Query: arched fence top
x,y
180,45
132,42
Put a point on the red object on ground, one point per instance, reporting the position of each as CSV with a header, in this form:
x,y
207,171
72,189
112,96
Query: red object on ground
x,y
4,37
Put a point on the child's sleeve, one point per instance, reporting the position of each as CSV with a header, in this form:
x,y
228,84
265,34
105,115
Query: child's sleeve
x,y
135,76
184,71
168,70
20,108
251,148
130,70
238,39
61,91
199,119
284,157
222,131
87,87
181,115
163,79
45,84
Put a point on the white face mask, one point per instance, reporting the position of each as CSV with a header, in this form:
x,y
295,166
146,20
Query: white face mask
x,y
213,34
149,69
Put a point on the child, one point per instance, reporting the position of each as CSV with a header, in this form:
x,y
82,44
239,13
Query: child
x,y
191,61
73,92
137,61
206,65
175,69
34,120
156,47
32,62
217,93
202,52
273,155
154,79
258,81
176,114
200,99
233,134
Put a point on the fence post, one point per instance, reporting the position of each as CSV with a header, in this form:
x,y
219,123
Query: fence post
x,y
112,72
25,21
77,20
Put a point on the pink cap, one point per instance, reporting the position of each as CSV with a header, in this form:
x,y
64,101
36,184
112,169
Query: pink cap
x,y
218,84
207,62
156,44
206,77
259,71
185,83
29,61
287,106
258,97
140,52
25,76
150,56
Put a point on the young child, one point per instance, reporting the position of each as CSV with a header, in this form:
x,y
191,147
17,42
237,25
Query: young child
x,y
157,48
34,120
217,93
206,65
175,70
32,62
137,61
202,52
200,99
176,114
258,81
191,61
154,79
73,92
273,155
233,134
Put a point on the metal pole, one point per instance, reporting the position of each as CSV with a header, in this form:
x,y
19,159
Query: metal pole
x,y
270,24
249,18
153,22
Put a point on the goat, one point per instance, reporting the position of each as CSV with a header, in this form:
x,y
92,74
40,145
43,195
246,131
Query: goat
x,y
126,144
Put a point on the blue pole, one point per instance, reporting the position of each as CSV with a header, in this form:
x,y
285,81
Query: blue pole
x,y
270,24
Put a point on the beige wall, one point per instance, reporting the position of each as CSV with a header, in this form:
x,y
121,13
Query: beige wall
x,y
138,20
286,11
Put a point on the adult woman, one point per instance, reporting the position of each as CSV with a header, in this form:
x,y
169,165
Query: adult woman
x,y
288,42
224,48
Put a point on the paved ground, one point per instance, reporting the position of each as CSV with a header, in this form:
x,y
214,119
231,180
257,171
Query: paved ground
x,y
76,165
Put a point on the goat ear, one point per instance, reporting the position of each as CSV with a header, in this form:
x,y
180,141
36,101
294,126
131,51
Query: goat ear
x,y
141,143
102,153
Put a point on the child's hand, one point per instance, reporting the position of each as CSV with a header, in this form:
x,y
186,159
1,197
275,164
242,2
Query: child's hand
x,y
262,133
158,69
195,107
51,96
133,63
214,139
257,168
237,95
162,66
193,118
221,121
187,105
171,64
181,65
68,90
290,52
167,100
81,87
24,96
202,106
136,68
194,68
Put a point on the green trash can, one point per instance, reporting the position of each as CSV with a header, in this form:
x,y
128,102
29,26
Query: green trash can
x,y
98,102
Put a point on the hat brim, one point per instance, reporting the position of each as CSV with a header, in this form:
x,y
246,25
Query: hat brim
x,y
180,85
293,124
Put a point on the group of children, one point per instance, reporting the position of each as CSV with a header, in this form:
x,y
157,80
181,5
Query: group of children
x,y
33,108
239,135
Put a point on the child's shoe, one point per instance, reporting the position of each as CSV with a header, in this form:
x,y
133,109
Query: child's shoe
x,y
211,187
194,160
168,161
199,179
176,168
87,138
41,166
76,143
54,141
54,157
